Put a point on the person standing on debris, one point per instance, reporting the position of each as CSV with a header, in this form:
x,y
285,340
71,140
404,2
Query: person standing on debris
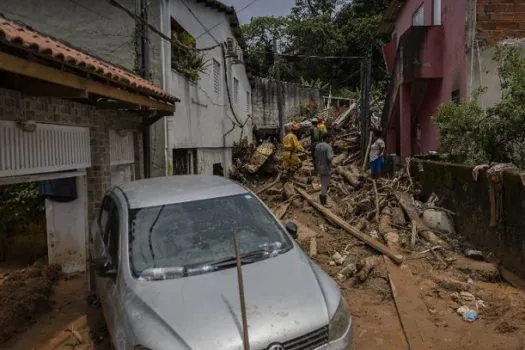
x,y
321,125
315,136
377,158
324,155
290,161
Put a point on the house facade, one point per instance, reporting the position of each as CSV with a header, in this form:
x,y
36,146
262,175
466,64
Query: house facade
x,y
215,105
74,122
213,109
441,50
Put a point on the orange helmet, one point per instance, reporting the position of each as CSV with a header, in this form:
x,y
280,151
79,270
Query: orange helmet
x,y
320,119
296,127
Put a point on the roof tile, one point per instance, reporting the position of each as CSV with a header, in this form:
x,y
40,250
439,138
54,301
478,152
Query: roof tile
x,y
17,33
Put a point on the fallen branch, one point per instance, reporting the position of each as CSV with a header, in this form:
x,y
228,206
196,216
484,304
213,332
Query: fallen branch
x,y
269,185
396,257
376,200
413,236
365,161
347,175
410,209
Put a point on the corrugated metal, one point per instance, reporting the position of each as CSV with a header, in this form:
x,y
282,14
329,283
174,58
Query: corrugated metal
x,y
49,148
121,148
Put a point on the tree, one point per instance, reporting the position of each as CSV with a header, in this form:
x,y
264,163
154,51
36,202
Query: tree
x,y
319,28
495,134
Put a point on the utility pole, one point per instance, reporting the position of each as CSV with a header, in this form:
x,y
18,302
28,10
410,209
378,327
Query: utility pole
x,y
277,68
366,86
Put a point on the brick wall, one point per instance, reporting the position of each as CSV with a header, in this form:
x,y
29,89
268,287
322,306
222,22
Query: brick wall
x,y
16,106
500,19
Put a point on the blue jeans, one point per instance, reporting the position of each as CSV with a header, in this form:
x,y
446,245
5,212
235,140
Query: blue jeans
x,y
376,166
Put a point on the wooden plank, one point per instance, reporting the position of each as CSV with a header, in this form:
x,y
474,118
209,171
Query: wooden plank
x,y
36,70
410,308
396,257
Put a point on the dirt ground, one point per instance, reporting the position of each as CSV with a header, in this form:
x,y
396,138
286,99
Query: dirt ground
x,y
69,322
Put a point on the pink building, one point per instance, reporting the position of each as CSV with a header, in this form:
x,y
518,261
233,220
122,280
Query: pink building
x,y
440,50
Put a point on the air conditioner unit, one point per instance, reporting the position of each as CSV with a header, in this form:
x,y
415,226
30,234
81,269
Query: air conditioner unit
x,y
231,48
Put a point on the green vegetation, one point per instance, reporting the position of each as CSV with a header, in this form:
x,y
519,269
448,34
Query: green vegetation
x,y
319,28
495,134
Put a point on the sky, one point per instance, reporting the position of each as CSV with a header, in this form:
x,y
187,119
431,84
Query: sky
x,y
260,8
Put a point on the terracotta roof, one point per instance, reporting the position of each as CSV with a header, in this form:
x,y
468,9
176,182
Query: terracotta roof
x,y
18,34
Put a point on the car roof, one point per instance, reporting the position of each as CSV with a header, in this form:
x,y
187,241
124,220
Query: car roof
x,y
178,189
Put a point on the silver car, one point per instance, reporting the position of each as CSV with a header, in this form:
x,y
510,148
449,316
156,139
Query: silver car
x,y
164,270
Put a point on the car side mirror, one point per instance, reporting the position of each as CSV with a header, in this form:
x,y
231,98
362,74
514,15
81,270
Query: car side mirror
x,y
292,229
104,267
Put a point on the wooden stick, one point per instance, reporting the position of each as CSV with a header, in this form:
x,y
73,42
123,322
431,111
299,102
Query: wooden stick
x,y
376,200
245,339
268,185
365,161
413,236
396,257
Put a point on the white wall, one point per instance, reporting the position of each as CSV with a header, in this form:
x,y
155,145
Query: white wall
x,y
203,117
67,230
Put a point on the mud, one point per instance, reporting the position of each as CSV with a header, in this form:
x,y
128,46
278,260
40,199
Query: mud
x,y
24,295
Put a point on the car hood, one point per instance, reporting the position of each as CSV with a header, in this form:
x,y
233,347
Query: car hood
x,y
286,297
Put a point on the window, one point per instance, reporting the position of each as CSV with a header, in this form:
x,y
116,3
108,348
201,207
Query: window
x,y
179,55
235,90
456,96
248,102
194,234
105,212
437,13
216,77
418,18
113,236
185,161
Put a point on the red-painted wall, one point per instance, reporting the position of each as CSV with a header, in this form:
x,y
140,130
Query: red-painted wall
x,y
453,20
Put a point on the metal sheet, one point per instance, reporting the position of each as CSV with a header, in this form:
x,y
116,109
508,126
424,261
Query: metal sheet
x,y
49,148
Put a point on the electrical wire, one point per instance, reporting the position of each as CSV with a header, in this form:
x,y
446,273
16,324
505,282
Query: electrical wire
x,y
137,18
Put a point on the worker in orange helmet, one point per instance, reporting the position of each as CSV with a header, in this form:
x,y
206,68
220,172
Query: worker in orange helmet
x,y
291,148
321,125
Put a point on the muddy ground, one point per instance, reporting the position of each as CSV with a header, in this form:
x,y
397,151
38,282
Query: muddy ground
x,y
67,321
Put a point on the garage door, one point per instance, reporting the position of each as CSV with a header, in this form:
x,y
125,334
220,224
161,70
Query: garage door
x,y
47,148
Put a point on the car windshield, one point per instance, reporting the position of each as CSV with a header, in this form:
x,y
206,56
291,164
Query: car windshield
x,y
194,234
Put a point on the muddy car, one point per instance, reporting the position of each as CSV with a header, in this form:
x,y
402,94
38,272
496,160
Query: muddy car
x,y
164,270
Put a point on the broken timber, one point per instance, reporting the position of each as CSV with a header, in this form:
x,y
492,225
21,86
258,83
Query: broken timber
x,y
349,177
410,209
268,185
398,258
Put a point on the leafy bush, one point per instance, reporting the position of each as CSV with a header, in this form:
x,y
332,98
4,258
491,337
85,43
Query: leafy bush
x,y
496,134
20,205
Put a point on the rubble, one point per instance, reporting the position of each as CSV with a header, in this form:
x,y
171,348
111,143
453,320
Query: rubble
x,y
377,231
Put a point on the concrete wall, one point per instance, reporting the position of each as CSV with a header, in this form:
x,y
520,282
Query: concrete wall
x,y
264,100
203,118
470,200
94,26
491,23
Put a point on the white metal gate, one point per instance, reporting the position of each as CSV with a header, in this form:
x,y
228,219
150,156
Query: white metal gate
x,y
49,148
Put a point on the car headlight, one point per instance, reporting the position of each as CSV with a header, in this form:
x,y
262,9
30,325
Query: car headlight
x,y
339,322
140,347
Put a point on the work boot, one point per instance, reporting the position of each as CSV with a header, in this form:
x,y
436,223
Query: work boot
x,y
324,201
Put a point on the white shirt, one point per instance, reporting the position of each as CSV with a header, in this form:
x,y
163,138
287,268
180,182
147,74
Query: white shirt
x,y
376,147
